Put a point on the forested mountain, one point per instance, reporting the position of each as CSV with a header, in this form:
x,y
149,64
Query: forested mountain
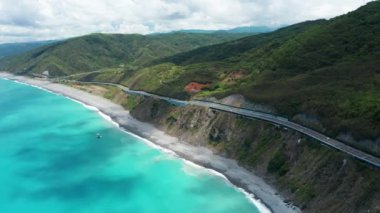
x,y
96,51
329,69
326,69
10,49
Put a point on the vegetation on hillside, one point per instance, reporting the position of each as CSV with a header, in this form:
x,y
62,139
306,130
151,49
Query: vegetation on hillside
x,y
329,69
97,51
314,177
11,49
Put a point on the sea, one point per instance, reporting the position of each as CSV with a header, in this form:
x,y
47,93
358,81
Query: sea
x,y
58,156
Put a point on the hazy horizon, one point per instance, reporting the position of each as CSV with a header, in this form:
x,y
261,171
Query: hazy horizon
x,y
25,21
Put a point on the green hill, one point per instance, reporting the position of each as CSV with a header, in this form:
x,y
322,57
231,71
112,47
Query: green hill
x,y
328,69
11,49
97,51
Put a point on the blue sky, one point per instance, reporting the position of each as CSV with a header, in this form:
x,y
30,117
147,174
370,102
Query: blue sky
x,y
28,20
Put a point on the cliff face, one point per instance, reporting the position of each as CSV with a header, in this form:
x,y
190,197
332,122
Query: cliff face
x,y
314,177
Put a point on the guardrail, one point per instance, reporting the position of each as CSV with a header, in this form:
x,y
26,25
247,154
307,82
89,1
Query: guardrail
x,y
276,114
282,121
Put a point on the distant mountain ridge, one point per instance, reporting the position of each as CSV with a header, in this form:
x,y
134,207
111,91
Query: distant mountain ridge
x,y
328,69
244,29
324,74
325,69
10,49
97,51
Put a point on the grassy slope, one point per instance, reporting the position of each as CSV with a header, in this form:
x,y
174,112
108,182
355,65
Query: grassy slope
x,y
329,69
98,51
11,49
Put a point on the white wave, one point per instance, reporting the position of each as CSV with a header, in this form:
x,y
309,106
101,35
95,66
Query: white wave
x,y
95,109
35,86
251,197
151,144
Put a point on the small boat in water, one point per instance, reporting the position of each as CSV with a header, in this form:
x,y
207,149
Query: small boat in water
x,y
98,135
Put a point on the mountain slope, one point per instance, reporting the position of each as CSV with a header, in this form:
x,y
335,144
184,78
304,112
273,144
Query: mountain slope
x,y
246,29
11,49
325,70
98,51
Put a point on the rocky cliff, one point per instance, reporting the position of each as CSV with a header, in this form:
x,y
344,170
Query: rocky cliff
x,y
314,177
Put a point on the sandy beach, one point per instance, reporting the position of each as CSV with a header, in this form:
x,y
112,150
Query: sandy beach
x,y
251,184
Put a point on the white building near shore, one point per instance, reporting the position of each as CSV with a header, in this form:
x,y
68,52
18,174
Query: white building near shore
x,y
45,73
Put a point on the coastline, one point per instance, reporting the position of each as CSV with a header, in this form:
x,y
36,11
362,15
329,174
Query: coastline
x,y
261,194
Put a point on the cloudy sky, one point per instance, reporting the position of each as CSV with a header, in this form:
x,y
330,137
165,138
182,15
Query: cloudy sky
x,y
28,20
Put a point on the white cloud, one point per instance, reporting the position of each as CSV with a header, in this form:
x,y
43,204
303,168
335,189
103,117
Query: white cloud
x,y
25,20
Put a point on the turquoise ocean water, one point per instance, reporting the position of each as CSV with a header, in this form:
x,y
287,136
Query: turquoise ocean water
x,y
51,161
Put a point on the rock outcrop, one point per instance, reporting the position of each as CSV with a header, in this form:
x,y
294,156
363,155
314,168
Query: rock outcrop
x,y
314,177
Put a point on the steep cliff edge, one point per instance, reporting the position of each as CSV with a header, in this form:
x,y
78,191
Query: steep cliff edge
x,y
324,74
314,177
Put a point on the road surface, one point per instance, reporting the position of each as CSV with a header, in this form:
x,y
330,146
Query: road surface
x,y
356,153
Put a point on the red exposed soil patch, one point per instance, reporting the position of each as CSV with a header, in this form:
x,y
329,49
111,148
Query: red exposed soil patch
x,y
194,87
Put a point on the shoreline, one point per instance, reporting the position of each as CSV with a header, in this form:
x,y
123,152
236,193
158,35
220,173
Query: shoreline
x,y
262,195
